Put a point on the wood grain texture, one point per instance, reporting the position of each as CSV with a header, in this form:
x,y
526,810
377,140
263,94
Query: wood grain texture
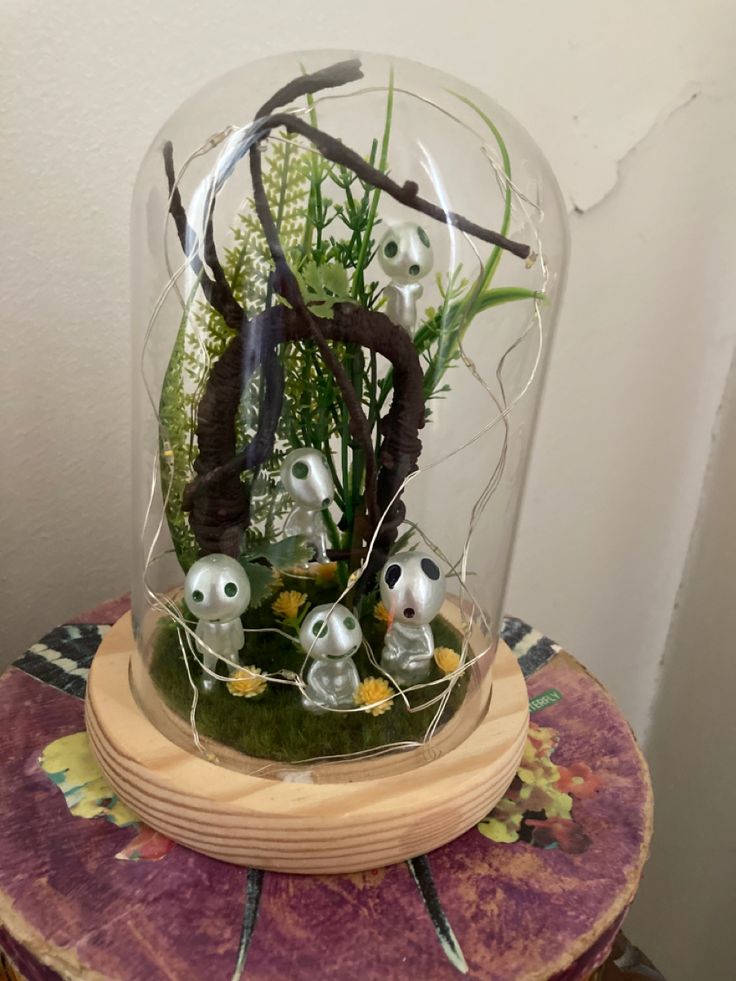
x,y
299,827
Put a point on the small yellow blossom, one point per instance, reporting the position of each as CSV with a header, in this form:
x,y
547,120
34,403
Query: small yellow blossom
x,y
247,682
376,694
446,659
326,572
286,605
380,613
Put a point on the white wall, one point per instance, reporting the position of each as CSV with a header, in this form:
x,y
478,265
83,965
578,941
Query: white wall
x,y
683,915
634,104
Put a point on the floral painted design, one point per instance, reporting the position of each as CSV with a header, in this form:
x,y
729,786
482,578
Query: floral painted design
x,y
537,807
578,780
69,763
147,846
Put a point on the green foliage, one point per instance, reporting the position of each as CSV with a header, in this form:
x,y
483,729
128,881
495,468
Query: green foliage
x,y
260,578
322,286
283,554
327,220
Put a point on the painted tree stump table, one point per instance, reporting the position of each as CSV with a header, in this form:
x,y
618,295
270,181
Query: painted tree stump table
x,y
537,890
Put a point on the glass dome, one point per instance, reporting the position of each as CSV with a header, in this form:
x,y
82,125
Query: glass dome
x,y
346,271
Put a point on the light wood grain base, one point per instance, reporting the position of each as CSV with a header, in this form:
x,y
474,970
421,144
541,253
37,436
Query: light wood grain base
x,y
299,827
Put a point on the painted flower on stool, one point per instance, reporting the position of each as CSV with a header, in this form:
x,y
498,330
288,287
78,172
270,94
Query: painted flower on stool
x,y
247,682
446,659
375,694
578,780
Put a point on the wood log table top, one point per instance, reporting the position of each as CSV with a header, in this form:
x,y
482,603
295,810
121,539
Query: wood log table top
x,y
537,890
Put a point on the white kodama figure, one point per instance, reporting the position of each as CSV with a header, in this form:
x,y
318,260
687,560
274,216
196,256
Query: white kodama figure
x,y
412,590
405,255
217,591
330,637
308,482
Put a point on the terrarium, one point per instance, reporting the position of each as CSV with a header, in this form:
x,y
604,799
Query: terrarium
x,y
346,271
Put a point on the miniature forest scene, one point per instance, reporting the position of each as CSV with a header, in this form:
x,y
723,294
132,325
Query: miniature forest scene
x,y
353,306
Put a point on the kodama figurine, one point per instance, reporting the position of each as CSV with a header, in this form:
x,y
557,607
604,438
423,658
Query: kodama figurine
x,y
217,591
308,482
405,255
330,637
412,590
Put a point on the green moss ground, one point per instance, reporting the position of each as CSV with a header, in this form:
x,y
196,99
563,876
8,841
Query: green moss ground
x,y
274,726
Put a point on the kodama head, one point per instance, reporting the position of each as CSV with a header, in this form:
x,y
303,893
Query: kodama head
x,y
307,479
217,588
330,636
412,587
405,253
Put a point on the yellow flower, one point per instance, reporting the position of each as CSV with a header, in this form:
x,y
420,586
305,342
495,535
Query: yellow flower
x,y
326,572
380,613
286,605
446,659
376,694
247,682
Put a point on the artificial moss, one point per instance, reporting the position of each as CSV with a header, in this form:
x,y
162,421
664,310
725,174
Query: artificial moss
x,y
275,726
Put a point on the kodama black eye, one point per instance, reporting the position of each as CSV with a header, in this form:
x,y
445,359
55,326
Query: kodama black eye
x,y
430,569
390,249
320,629
197,596
349,623
392,575
231,589
300,469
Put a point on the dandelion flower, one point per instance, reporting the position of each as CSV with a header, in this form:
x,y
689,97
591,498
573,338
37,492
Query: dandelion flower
x,y
286,605
326,572
446,659
247,682
375,694
380,613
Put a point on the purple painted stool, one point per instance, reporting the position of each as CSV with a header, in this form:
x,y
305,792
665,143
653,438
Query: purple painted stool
x,y
538,890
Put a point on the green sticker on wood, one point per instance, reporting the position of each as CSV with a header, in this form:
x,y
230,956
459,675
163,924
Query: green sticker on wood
x,y
544,700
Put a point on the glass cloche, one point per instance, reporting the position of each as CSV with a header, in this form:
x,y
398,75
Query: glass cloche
x,y
346,271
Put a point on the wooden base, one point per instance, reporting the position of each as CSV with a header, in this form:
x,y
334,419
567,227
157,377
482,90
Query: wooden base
x,y
295,826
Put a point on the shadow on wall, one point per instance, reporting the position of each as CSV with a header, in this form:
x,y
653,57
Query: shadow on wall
x,y
683,915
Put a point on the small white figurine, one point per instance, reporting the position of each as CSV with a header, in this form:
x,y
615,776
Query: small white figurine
x,y
308,482
405,255
331,639
412,590
217,591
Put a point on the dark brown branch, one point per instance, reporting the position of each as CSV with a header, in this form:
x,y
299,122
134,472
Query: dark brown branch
x,y
286,285
407,193
400,444
217,292
341,73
